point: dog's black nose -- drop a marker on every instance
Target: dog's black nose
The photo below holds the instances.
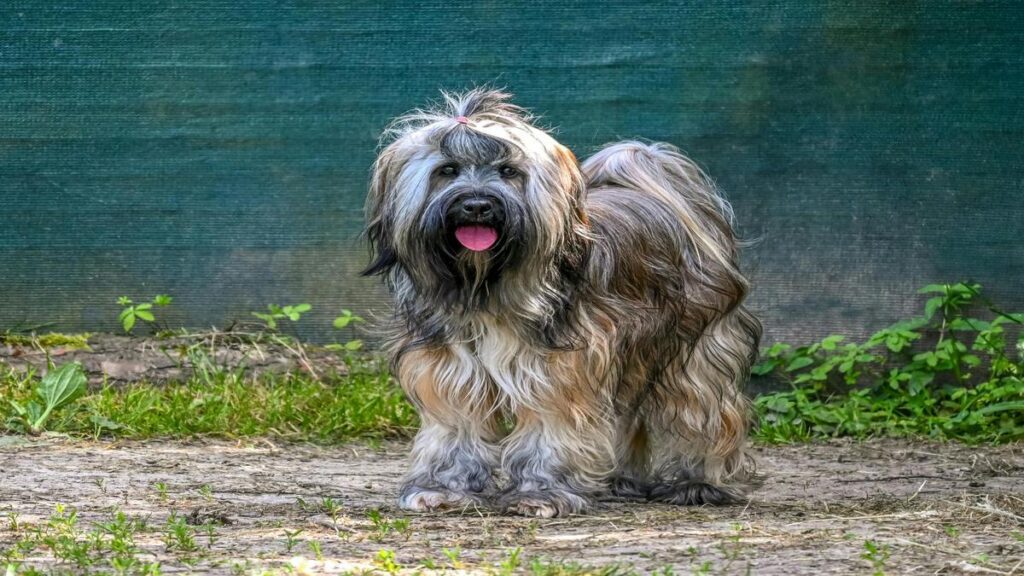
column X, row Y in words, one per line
column 477, row 207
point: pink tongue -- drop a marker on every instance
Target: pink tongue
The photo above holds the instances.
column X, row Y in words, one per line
column 476, row 238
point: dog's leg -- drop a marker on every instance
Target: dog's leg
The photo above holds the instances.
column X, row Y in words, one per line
column 554, row 468
column 562, row 450
column 632, row 456
column 456, row 448
column 701, row 417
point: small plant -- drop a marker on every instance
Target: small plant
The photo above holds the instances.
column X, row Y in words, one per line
column 60, row 387
column 333, row 510
column 274, row 313
column 386, row 561
column 454, row 556
column 876, row 555
column 206, row 492
column 346, row 319
column 161, row 491
column 12, row 522
column 210, row 529
column 382, row 525
column 132, row 312
column 511, row 562
column 291, row 539
column 179, row 535
column 331, row 507
column 314, row 546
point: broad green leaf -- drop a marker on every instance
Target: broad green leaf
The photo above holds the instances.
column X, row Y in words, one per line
column 799, row 362
column 932, row 305
column 830, row 342
column 62, row 385
column 353, row 345
column 128, row 322
column 145, row 315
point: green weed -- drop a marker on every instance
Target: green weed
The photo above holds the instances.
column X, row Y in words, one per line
column 314, row 547
column 108, row 547
column 386, row 561
column 343, row 321
column 877, row 555
column 274, row 313
column 60, row 387
column 179, row 536
column 291, row 539
column 382, row 525
column 948, row 374
column 131, row 312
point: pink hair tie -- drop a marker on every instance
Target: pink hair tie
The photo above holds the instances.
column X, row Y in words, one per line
column 462, row 120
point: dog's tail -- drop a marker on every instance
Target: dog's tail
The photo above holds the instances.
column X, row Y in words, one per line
column 662, row 171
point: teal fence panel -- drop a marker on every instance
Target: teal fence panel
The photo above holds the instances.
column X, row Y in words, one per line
column 219, row 150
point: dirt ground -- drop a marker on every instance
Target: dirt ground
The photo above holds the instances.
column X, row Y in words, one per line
column 114, row 358
column 930, row 509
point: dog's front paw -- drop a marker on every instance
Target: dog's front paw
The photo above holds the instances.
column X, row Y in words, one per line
column 419, row 499
column 544, row 503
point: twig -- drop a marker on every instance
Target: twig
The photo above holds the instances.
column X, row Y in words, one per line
column 918, row 491
column 906, row 477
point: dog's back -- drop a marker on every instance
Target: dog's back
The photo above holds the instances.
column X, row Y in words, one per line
column 664, row 262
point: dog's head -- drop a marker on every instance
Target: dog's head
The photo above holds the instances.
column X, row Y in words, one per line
column 469, row 194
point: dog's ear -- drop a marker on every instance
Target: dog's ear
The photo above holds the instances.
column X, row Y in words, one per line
column 572, row 179
column 378, row 224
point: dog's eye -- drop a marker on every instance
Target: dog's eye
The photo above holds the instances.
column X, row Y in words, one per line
column 448, row 170
column 508, row 172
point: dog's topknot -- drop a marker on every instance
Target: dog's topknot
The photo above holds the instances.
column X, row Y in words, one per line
column 482, row 102
column 476, row 104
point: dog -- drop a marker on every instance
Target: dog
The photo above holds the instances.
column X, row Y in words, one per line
column 576, row 331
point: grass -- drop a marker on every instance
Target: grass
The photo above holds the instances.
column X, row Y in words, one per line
column 109, row 546
column 364, row 404
column 951, row 374
column 118, row 543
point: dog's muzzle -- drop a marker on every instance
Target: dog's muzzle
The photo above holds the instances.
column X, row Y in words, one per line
column 476, row 221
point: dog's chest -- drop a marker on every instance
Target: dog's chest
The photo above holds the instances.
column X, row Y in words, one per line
column 515, row 367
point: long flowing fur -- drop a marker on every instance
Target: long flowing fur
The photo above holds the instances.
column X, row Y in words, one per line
column 607, row 324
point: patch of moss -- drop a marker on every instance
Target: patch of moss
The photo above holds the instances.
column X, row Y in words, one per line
column 48, row 340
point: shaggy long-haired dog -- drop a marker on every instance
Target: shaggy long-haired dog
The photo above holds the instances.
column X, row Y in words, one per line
column 579, row 328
